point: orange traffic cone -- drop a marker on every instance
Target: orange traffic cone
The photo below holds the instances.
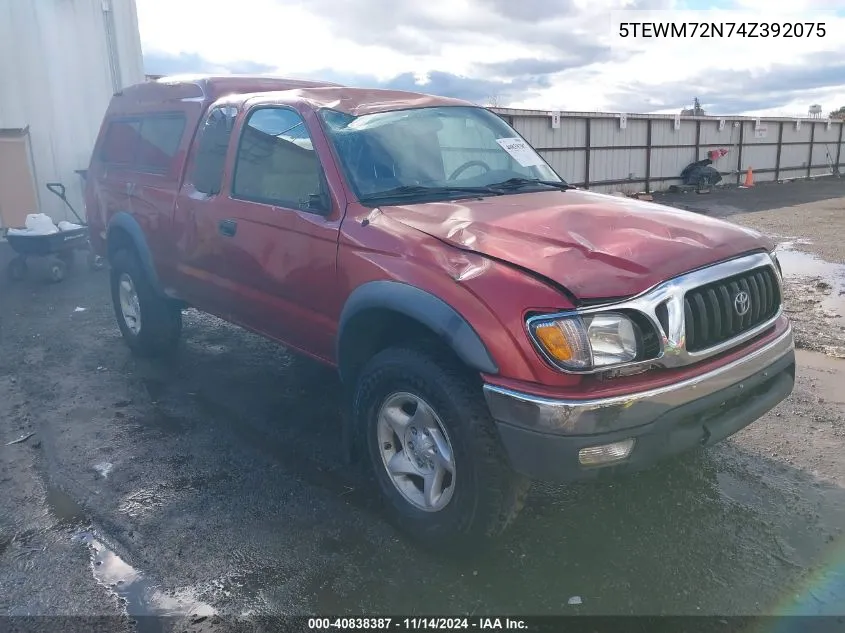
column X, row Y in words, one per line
column 749, row 178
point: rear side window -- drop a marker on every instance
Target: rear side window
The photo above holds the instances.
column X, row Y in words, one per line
column 159, row 142
column 211, row 150
column 144, row 143
column 121, row 142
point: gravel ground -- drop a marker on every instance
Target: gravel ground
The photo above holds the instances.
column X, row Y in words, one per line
column 214, row 485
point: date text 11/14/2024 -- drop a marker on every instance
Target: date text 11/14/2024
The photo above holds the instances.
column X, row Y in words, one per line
column 417, row 624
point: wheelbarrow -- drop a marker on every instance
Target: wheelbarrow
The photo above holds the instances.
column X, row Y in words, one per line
column 56, row 249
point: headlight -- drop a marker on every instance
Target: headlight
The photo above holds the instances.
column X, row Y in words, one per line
column 587, row 342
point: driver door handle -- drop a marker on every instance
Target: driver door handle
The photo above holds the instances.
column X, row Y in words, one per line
column 227, row 228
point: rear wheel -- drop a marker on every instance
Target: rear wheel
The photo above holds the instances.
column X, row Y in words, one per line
column 434, row 449
column 150, row 324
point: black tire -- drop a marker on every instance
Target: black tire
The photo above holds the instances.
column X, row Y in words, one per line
column 488, row 494
column 56, row 270
column 17, row 269
column 160, row 322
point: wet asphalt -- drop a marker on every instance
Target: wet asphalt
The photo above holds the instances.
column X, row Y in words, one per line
column 215, row 484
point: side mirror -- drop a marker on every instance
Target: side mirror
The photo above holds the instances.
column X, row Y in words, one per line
column 317, row 202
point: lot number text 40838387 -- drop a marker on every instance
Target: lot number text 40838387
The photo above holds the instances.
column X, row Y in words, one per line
column 417, row 624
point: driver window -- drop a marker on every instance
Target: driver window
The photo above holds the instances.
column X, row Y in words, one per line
column 276, row 162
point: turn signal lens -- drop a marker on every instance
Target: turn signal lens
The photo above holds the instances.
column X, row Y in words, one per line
column 554, row 341
column 588, row 342
column 565, row 342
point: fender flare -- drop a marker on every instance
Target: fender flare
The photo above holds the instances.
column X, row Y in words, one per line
column 127, row 223
column 425, row 308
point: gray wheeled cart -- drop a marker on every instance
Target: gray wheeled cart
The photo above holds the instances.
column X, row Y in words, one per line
column 55, row 250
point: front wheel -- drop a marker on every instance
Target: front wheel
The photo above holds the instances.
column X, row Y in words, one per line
column 434, row 449
column 150, row 324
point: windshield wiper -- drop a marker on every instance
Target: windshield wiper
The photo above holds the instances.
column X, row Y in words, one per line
column 517, row 183
column 421, row 190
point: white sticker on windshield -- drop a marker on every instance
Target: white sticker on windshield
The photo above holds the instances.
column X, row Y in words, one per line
column 521, row 151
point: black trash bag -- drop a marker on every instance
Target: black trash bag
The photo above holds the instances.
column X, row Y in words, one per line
column 701, row 173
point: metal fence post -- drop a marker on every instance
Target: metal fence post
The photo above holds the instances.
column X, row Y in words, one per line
column 648, row 156
column 780, row 148
column 587, row 143
column 839, row 146
column 812, row 141
column 739, row 152
column 697, row 139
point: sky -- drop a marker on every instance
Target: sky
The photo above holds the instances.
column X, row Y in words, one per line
column 538, row 54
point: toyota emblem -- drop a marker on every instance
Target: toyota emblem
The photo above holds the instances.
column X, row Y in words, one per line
column 742, row 303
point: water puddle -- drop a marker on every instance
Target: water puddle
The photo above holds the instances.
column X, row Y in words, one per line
column 826, row 373
column 145, row 603
column 830, row 278
column 140, row 596
column 62, row 506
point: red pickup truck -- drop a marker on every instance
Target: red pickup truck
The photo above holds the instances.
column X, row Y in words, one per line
column 491, row 324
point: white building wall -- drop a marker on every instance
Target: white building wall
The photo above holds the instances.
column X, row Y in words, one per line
column 56, row 79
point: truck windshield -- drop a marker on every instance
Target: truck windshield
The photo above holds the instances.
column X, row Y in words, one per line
column 440, row 152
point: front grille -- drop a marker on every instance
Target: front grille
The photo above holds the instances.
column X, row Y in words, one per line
column 712, row 312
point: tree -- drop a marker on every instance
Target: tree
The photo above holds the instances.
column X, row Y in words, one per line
column 839, row 114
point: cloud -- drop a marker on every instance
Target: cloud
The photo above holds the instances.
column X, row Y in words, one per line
column 544, row 54
column 468, row 88
column 532, row 11
column 430, row 28
column 165, row 64
column 538, row 67
column 446, row 84
column 732, row 91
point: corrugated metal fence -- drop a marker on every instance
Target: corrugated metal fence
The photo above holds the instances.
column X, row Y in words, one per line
column 638, row 152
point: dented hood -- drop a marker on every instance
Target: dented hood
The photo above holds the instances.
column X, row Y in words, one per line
column 597, row 246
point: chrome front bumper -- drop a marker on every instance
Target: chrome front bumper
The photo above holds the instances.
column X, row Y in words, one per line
column 583, row 417
column 543, row 436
